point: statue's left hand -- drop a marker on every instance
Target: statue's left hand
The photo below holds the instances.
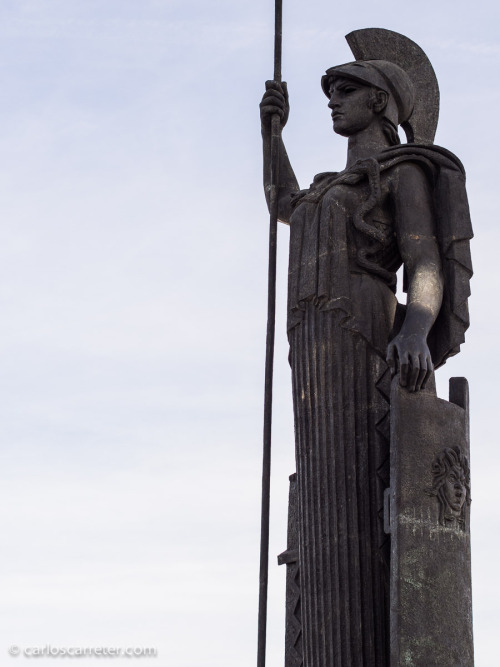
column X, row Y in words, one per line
column 409, row 353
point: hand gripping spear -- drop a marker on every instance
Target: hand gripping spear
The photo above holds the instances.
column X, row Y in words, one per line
column 268, row 390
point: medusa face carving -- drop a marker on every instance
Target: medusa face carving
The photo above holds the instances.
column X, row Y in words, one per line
column 451, row 485
column 454, row 488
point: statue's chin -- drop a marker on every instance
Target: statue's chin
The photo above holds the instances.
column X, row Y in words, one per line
column 341, row 132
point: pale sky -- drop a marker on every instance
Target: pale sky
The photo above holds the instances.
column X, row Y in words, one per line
column 133, row 267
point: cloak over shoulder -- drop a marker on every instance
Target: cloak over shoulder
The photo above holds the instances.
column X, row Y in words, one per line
column 453, row 230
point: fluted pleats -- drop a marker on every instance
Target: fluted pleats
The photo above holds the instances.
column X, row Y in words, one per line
column 342, row 450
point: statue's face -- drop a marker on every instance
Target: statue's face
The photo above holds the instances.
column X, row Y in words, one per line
column 454, row 489
column 352, row 106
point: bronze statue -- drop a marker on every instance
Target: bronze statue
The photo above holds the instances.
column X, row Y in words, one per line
column 392, row 205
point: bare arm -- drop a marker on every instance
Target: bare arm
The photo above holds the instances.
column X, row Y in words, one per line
column 420, row 253
column 275, row 100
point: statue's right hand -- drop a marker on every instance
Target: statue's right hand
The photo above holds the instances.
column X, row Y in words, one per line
column 274, row 101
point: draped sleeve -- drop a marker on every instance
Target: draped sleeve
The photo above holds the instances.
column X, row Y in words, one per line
column 454, row 232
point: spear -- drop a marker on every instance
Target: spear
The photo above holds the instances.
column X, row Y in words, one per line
column 271, row 316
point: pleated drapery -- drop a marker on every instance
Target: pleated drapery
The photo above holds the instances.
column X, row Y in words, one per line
column 340, row 388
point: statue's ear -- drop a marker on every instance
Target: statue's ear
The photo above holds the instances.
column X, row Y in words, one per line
column 381, row 100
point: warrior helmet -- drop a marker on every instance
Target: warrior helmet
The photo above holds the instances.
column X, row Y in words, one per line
column 395, row 64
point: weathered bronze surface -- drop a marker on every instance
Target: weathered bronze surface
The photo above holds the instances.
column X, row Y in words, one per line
column 392, row 205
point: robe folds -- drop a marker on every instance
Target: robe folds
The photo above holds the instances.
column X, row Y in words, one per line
column 342, row 313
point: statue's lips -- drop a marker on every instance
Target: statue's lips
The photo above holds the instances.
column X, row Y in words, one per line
column 457, row 504
column 337, row 115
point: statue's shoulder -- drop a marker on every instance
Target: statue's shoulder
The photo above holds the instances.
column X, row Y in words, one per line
column 428, row 156
column 405, row 174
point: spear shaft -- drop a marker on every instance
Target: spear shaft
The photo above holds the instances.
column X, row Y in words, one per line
column 271, row 317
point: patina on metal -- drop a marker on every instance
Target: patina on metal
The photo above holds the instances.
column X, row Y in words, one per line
column 350, row 555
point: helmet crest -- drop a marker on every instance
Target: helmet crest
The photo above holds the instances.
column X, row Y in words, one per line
column 394, row 63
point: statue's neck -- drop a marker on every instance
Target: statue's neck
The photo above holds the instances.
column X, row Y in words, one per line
column 367, row 143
